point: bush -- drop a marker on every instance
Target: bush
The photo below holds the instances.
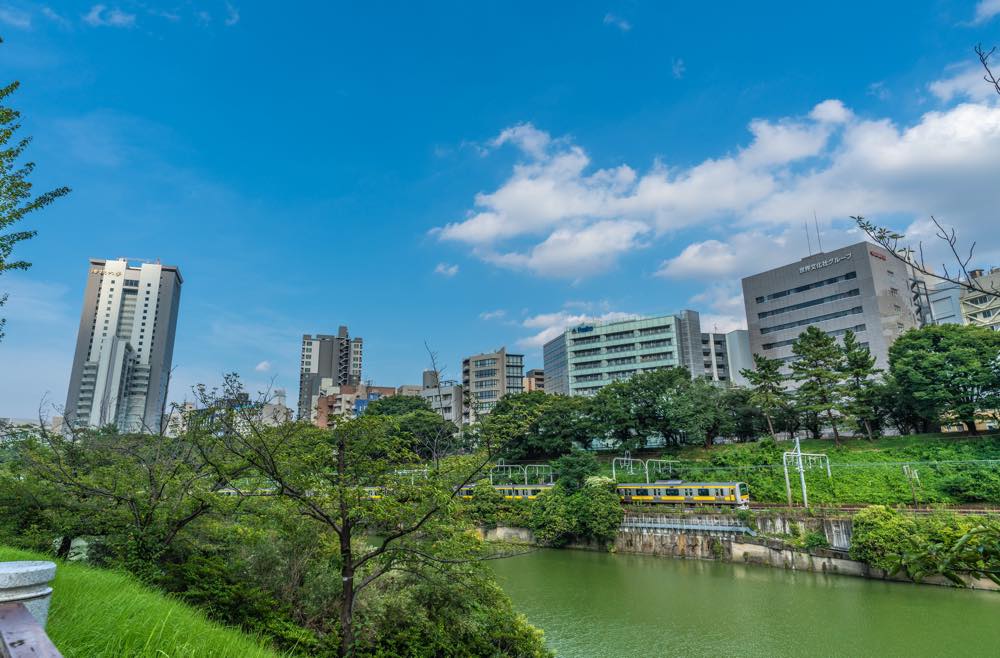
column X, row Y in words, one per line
column 878, row 534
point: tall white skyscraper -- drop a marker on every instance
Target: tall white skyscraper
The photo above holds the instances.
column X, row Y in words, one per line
column 125, row 346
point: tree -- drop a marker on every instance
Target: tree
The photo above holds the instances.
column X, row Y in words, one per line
column 574, row 468
column 817, row 370
column 16, row 198
column 397, row 405
column 767, row 389
column 701, row 412
column 860, row 399
column 632, row 411
column 949, row 372
column 350, row 480
column 434, row 438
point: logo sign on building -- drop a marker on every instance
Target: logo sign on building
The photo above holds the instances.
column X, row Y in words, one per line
column 876, row 254
column 824, row 263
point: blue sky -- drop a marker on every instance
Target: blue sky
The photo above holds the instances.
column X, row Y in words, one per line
column 471, row 174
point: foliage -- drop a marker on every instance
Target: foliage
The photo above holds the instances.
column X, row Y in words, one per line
column 592, row 513
column 106, row 614
column 878, row 531
column 817, row 370
column 701, row 413
column 574, row 468
column 537, row 425
column 859, row 389
column 631, row 412
column 948, row 371
column 767, row 389
column 975, row 554
column 397, row 405
column 16, row 197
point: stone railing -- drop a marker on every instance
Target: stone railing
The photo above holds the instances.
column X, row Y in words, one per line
column 24, row 609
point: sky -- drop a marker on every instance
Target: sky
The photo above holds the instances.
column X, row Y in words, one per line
column 459, row 176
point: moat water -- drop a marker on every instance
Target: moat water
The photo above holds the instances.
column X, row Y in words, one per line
column 605, row 605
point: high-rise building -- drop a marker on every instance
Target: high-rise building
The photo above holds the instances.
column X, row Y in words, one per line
column 335, row 358
column 488, row 377
column 534, row 380
column 125, row 346
column 445, row 398
column 980, row 309
column 584, row 359
column 862, row 288
column 725, row 355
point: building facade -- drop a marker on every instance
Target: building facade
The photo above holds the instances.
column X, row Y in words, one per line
column 979, row 309
column 946, row 303
column 590, row 356
column 725, row 355
column 324, row 357
column 534, row 380
column 346, row 401
column 488, row 377
column 861, row 288
column 124, row 346
column 446, row 399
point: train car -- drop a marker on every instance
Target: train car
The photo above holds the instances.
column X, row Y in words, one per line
column 677, row 492
column 511, row 491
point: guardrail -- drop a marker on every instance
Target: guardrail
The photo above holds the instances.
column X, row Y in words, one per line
column 662, row 523
column 24, row 609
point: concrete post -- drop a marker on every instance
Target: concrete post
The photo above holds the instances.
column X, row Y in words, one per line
column 28, row 583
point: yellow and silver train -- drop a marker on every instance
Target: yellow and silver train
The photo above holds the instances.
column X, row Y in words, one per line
column 512, row 491
column 677, row 492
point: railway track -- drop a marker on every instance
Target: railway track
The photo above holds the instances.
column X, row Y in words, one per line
column 919, row 509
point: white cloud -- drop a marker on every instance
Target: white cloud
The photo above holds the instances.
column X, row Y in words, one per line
column 677, row 68
column 444, row 269
column 15, row 18
column 618, row 22
column 55, row 17
column 549, row 325
column 493, row 315
column 102, row 16
column 985, row 10
column 964, row 82
column 879, row 90
column 263, row 366
column 232, row 15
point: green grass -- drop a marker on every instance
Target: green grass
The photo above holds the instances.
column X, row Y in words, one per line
column 101, row 613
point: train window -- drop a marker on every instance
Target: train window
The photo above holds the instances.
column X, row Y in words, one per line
column 702, row 492
column 689, row 492
column 642, row 492
column 672, row 492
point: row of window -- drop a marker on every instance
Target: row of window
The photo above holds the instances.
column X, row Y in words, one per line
column 808, row 286
column 836, row 332
column 618, row 335
column 857, row 310
column 854, row 292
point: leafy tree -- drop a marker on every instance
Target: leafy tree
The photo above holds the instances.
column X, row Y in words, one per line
column 948, row 372
column 701, row 413
column 16, row 199
column 767, row 389
column 397, row 405
column 632, row 411
column 818, row 371
column 860, row 394
column 574, row 468
column 433, row 437
column 746, row 419
column 975, row 554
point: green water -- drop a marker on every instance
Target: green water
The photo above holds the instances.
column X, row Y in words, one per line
column 599, row 604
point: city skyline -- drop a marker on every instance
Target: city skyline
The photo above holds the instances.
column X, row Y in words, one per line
column 424, row 174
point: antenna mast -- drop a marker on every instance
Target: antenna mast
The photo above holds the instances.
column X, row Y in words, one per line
column 819, row 240
column 808, row 239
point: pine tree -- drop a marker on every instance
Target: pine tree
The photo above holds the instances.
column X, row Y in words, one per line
column 818, row 370
column 15, row 191
column 767, row 390
column 859, row 386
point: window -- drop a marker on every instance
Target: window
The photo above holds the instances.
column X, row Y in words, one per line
column 808, row 286
column 619, row 335
column 894, row 292
column 654, row 330
column 813, row 302
column 671, row 492
column 837, row 332
column 819, row 318
column 703, row 492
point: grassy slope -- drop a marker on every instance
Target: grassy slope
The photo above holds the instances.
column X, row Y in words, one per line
column 863, row 471
column 109, row 614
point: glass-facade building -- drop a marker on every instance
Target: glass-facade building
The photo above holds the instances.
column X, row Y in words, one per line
column 590, row 356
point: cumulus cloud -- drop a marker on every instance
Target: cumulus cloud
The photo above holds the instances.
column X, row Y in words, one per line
column 618, row 22
column 263, row 366
column 444, row 269
column 985, row 10
column 547, row 326
column 102, row 16
column 964, row 82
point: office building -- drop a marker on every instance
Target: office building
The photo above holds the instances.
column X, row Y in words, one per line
column 334, row 358
column 861, row 288
column 946, row 303
column 124, row 346
column 488, row 377
column 585, row 358
column 446, row 399
column 980, row 309
column 534, row 380
column 725, row 355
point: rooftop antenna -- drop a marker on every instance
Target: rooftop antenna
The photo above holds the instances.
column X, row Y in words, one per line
column 808, row 239
column 819, row 240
